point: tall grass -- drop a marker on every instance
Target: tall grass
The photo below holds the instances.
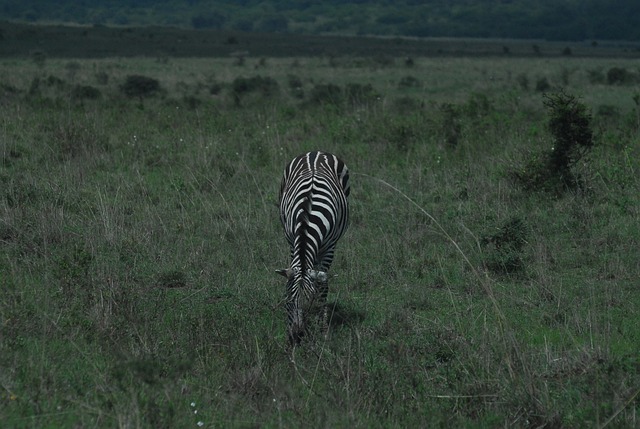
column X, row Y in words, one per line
column 139, row 237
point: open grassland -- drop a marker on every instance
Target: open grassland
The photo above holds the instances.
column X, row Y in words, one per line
column 139, row 233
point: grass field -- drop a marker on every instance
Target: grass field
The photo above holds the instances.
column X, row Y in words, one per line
column 139, row 236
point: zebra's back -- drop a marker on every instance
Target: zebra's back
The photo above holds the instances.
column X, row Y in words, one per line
column 313, row 201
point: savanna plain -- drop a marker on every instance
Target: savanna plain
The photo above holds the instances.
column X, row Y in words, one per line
column 476, row 285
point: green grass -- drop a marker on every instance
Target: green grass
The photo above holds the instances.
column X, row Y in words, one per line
column 139, row 239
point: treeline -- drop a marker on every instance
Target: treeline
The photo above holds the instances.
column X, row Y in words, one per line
column 522, row 19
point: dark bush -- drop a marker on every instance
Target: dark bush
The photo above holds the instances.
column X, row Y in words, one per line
column 478, row 105
column 326, row 94
column 140, row 86
column 596, row 76
column 406, row 105
column 543, row 85
column 409, row 82
column 295, row 86
column 266, row 86
column 86, row 92
column 215, row 89
column 191, row 102
column 75, row 140
column 619, row 76
column 608, row 111
column 54, row 81
column 504, row 249
column 569, row 123
column 102, row 78
column 357, row 93
column 34, row 87
column 451, row 123
column 172, row 279
column 6, row 88
column 523, row 81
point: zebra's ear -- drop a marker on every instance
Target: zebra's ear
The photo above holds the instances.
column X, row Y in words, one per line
column 286, row 273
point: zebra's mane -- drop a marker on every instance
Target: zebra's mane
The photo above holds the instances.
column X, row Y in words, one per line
column 303, row 254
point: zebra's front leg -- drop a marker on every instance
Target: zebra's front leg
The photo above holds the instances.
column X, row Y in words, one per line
column 322, row 289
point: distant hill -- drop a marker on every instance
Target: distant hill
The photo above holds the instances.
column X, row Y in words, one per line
column 40, row 41
column 520, row 19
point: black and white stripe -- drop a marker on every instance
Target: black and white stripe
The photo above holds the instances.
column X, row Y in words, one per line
column 314, row 212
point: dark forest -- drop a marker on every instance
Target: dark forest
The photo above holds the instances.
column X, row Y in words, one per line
column 568, row 20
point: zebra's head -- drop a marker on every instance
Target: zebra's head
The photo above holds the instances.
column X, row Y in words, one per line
column 302, row 288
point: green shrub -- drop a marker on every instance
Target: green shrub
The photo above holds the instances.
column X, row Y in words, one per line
column 357, row 93
column 295, row 86
column 405, row 105
column 326, row 94
column 85, row 92
column 478, row 105
column 76, row 139
column 608, row 111
column 172, row 279
column 140, row 86
column 504, row 249
column 54, row 81
column 266, row 86
column 543, row 85
column 34, row 87
column 596, row 76
column 409, row 82
column 102, row 78
column 523, row 81
column 451, row 123
column 619, row 76
column 569, row 123
column 215, row 88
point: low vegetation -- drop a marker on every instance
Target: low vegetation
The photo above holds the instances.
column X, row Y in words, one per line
column 139, row 234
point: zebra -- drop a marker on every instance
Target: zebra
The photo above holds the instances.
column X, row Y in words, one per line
column 314, row 212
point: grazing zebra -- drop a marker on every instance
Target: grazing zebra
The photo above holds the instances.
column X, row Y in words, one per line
column 314, row 213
